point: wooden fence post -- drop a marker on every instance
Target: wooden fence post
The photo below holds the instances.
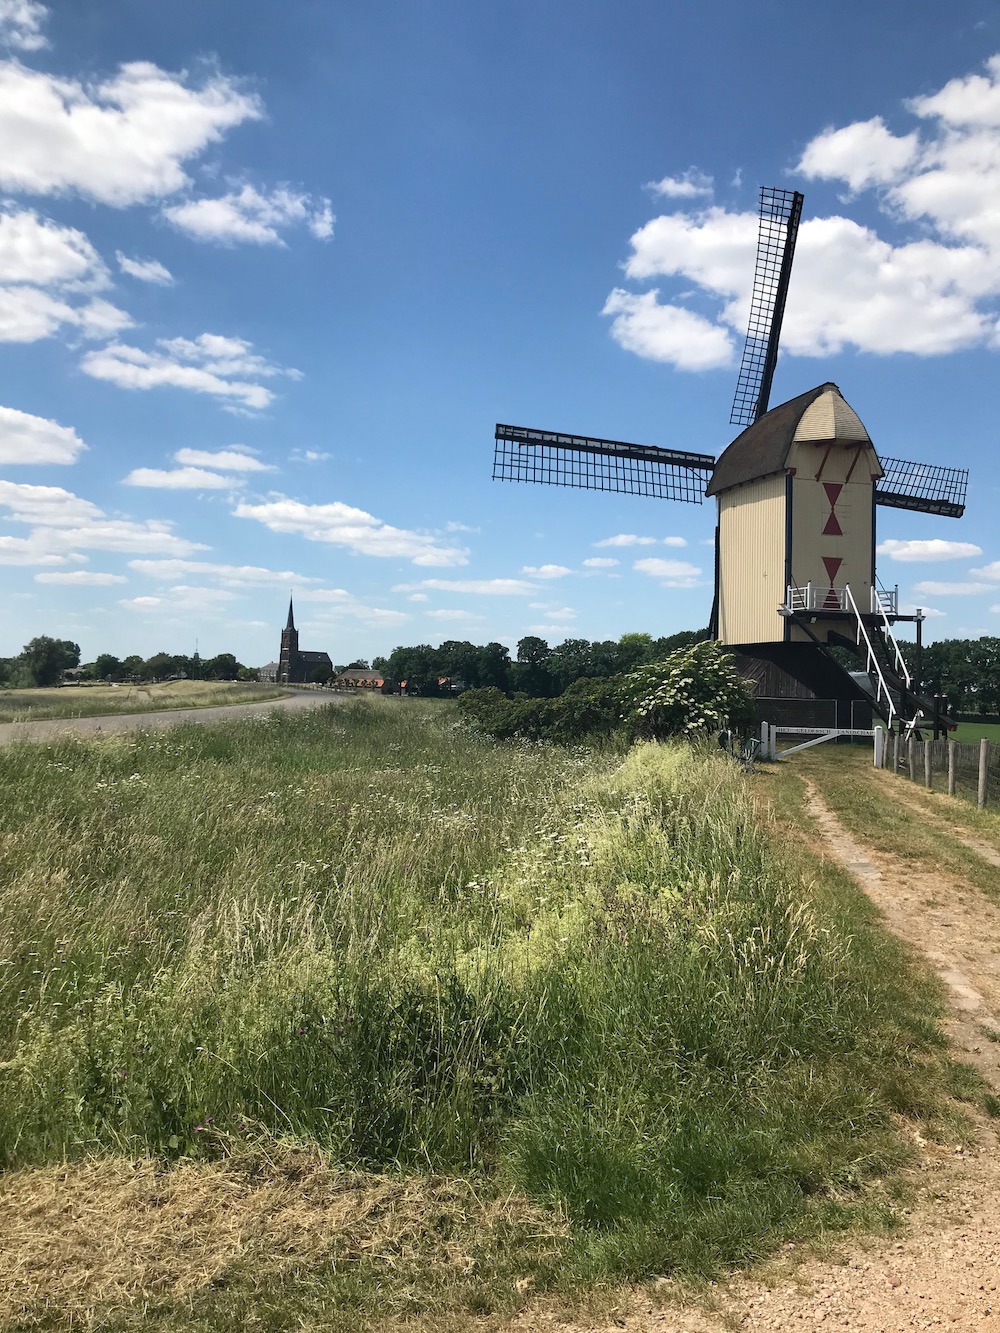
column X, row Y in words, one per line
column 895, row 754
column 951, row 768
column 928, row 766
column 984, row 768
column 912, row 759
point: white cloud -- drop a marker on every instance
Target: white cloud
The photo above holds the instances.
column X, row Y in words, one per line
column 673, row 573
column 234, row 576
column 669, row 333
column 21, row 24
column 27, row 551
column 935, row 549
column 82, row 578
column 182, row 600
column 418, row 597
column 37, row 250
column 482, row 587
column 674, row 541
column 600, row 562
column 235, row 459
column 862, row 154
column 952, row 589
column 181, row 479
column 63, row 524
column 690, row 184
column 554, row 612
column 546, row 571
column 455, row 615
column 248, row 215
column 342, row 525
column 459, row 527
column 28, row 314
column 990, row 571
column 146, row 270
column 28, row 439
column 546, row 629
column 225, row 368
column 308, row 456
column 626, row 539
column 120, row 141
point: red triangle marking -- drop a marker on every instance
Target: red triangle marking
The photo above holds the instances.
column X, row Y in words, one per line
column 832, row 563
column 833, row 489
column 833, row 528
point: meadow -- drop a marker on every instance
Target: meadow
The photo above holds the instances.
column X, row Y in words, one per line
column 585, row 1015
column 37, row 705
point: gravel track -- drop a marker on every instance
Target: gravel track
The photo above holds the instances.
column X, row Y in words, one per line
column 116, row 723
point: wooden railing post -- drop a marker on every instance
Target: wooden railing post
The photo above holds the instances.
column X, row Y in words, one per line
column 895, row 754
column 984, row 768
column 951, row 768
column 911, row 758
column 928, row 766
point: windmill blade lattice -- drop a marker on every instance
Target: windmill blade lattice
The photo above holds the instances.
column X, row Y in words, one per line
column 780, row 213
column 590, row 463
column 924, row 487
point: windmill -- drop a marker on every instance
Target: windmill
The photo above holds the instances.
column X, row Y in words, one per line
column 797, row 492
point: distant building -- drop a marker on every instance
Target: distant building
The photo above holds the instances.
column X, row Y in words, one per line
column 269, row 672
column 356, row 679
column 297, row 666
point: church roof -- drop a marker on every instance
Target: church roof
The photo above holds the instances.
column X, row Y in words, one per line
column 290, row 622
column 762, row 449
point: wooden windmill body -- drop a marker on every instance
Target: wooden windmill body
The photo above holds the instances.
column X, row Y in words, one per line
column 797, row 494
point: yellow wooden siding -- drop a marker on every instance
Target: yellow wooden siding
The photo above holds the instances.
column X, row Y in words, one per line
column 752, row 561
column 810, row 514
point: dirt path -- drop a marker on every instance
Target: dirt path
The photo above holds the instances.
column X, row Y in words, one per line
column 114, row 724
column 944, row 1271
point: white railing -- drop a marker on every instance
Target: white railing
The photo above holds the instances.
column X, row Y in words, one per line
column 815, row 597
column 885, row 601
column 873, row 666
column 880, row 609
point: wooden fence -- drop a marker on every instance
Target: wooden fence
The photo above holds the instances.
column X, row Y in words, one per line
column 968, row 770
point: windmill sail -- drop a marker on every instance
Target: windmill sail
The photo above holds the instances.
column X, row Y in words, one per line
column 780, row 213
column 594, row 464
column 925, row 487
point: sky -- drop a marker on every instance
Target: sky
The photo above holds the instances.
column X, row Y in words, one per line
column 269, row 274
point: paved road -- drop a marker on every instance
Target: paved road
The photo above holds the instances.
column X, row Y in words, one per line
column 173, row 717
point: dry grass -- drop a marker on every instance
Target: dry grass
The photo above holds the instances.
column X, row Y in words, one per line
column 102, row 700
column 86, row 1242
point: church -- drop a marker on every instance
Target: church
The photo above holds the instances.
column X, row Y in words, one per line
column 295, row 665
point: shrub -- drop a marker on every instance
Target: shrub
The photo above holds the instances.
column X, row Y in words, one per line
column 694, row 691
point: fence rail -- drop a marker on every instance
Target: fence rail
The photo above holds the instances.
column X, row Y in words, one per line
column 970, row 771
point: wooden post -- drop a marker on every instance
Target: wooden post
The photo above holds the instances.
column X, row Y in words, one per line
column 911, row 758
column 951, row 768
column 984, row 768
column 879, row 747
column 928, row 766
column 895, row 754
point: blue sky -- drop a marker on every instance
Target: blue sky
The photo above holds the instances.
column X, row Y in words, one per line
column 270, row 273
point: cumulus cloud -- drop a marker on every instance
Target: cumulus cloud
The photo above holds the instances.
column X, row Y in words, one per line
column 119, row 141
column 37, row 250
column 691, row 184
column 935, row 549
column 181, row 479
column 28, row 439
column 63, row 524
column 342, row 525
column 234, row 459
column 225, row 368
column 990, row 571
column 626, row 539
column 28, row 314
column 21, row 24
column 483, row 587
column 182, row 600
column 931, row 292
column 236, row 576
column 81, row 578
column 546, row 571
column 455, row 615
column 250, row 215
column 672, row 573
column 146, row 270
column 600, row 562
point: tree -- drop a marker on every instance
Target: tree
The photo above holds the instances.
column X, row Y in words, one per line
column 106, row 666
column 494, row 667
column 132, row 666
column 223, row 666
column 531, row 674
column 696, row 691
column 159, row 667
column 46, row 659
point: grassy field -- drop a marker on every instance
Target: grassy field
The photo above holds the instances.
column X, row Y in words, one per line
column 100, row 700
column 394, row 1026
column 975, row 731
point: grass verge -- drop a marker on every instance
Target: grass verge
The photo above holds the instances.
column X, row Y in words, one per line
column 597, row 999
column 105, row 700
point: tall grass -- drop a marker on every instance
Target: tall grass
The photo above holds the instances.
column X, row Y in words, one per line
column 585, row 977
column 38, row 705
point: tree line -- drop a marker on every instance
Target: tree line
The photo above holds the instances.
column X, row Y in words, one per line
column 43, row 660
column 536, row 670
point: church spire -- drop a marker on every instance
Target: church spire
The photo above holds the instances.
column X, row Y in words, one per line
column 290, row 623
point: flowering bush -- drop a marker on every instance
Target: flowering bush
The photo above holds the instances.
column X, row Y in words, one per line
column 695, row 691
